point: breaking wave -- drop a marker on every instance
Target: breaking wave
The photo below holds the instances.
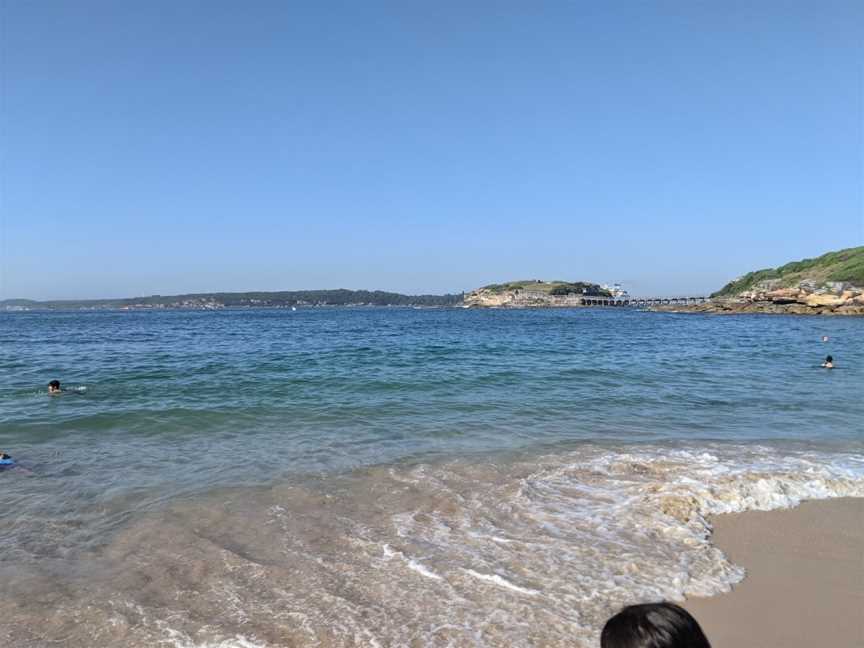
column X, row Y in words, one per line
column 510, row 550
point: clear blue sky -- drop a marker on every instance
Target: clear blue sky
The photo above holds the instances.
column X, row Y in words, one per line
column 180, row 146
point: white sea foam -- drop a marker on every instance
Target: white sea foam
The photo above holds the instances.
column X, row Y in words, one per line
column 173, row 638
column 181, row 641
column 501, row 582
column 515, row 552
column 597, row 528
column 411, row 563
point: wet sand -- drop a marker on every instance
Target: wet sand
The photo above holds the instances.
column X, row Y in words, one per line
column 805, row 578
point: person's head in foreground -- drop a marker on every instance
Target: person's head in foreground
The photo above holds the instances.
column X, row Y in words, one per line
column 54, row 387
column 829, row 362
column 653, row 625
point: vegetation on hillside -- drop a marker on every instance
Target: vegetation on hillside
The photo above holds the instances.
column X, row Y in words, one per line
column 579, row 288
column 558, row 288
column 842, row 265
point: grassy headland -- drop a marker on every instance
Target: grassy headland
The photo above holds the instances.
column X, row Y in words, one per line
column 842, row 265
column 549, row 287
column 533, row 293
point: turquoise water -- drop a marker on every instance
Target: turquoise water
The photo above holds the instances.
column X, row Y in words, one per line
column 177, row 413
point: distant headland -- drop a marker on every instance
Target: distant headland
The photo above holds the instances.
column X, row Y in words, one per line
column 533, row 293
column 220, row 300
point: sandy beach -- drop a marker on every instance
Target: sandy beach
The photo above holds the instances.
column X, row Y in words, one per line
column 805, row 578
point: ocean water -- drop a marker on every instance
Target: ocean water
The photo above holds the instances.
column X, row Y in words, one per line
column 398, row 477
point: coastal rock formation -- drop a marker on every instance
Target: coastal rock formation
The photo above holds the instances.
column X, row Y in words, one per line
column 835, row 298
column 817, row 300
column 532, row 294
column 831, row 284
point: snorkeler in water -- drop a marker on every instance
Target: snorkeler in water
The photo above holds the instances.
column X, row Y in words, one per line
column 54, row 388
column 8, row 463
column 829, row 362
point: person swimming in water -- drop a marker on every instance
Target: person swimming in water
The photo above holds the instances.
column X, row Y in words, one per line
column 829, row 362
column 54, row 388
column 6, row 461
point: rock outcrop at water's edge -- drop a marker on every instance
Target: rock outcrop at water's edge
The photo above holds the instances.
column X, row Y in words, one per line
column 832, row 284
column 851, row 302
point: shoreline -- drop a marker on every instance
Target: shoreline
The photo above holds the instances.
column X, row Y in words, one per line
column 805, row 578
column 232, row 539
column 764, row 308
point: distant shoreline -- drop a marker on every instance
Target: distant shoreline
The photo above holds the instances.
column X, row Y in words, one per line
column 705, row 309
column 257, row 299
column 145, row 309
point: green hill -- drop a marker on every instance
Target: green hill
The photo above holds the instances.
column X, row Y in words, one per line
column 842, row 265
column 550, row 287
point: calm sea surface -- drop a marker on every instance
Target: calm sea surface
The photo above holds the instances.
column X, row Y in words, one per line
column 398, row 477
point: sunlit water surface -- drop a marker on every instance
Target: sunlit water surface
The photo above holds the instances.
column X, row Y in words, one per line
column 398, row 477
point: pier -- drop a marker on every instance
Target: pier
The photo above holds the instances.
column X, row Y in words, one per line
column 588, row 300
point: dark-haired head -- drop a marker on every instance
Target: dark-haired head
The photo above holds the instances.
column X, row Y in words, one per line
column 54, row 386
column 829, row 359
column 653, row 625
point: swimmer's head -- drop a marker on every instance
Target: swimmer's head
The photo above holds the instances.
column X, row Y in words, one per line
column 653, row 625
column 829, row 359
column 53, row 386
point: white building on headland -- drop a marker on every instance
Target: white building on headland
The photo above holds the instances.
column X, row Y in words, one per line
column 616, row 291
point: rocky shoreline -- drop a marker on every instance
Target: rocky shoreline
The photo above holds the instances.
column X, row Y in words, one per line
column 841, row 299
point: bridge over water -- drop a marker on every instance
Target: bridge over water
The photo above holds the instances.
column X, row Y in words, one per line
column 588, row 300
